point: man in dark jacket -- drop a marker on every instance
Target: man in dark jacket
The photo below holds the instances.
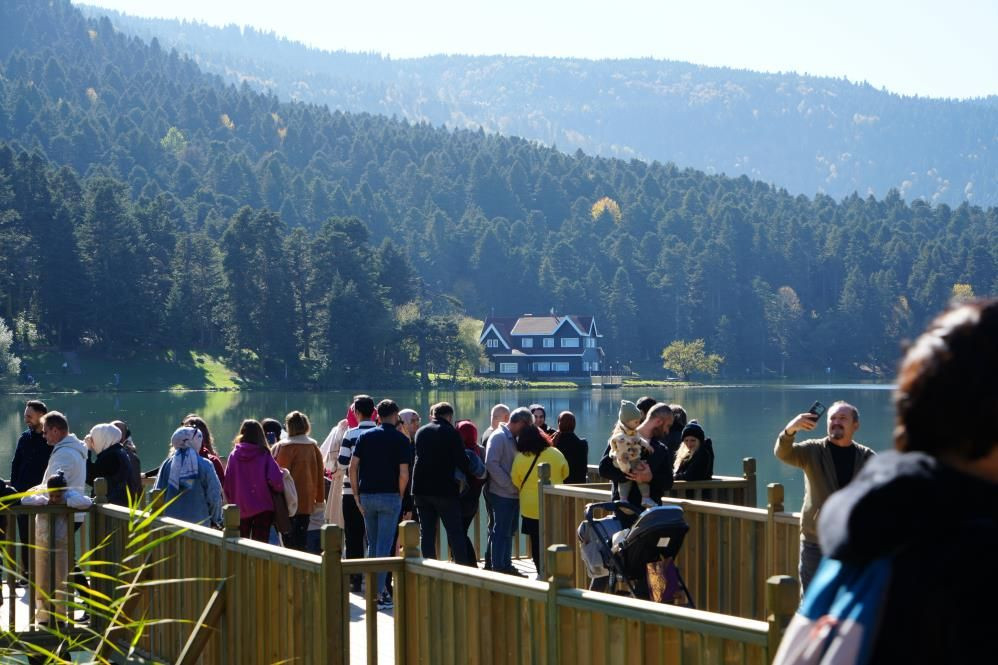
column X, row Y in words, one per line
column 31, row 457
column 439, row 452
column 930, row 510
column 657, row 471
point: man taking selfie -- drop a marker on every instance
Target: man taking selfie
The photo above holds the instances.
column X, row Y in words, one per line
column 828, row 463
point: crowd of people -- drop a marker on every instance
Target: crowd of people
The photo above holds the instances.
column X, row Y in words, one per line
column 378, row 466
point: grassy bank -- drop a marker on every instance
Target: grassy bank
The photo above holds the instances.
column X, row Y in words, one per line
column 88, row 372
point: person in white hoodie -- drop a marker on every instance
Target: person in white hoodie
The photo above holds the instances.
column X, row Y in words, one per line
column 69, row 455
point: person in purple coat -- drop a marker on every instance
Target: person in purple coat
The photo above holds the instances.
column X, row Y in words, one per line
column 250, row 476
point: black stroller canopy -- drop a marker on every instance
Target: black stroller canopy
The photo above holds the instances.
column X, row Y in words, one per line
column 661, row 528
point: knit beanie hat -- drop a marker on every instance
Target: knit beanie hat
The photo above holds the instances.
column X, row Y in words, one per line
column 694, row 429
column 629, row 411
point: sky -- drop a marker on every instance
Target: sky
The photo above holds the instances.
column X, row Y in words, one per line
column 916, row 47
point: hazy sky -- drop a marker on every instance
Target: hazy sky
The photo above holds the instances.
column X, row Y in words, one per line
column 937, row 49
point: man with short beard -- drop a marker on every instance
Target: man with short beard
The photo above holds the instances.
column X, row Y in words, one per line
column 31, row 458
column 828, row 464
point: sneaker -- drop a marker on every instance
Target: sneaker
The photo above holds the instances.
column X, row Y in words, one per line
column 385, row 602
column 647, row 502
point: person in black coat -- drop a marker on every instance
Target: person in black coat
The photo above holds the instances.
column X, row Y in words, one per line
column 112, row 462
column 27, row 469
column 695, row 458
column 575, row 450
column 439, row 452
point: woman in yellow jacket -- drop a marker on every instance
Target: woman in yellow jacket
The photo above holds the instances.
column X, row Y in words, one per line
column 533, row 448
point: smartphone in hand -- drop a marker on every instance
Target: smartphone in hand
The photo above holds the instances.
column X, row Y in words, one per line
column 817, row 409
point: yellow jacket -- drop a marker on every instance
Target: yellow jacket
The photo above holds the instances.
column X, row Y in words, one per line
column 528, row 486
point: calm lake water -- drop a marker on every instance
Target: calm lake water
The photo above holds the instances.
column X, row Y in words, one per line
column 742, row 420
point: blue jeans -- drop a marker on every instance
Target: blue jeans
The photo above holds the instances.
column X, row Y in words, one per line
column 505, row 513
column 381, row 513
column 448, row 510
column 810, row 557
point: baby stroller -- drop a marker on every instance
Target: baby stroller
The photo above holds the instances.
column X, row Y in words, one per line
column 624, row 554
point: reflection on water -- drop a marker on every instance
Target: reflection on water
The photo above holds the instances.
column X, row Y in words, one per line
column 743, row 421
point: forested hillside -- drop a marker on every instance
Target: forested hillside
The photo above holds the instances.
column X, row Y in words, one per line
column 145, row 205
column 804, row 133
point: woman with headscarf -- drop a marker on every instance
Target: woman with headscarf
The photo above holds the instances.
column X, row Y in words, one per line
column 207, row 451
column 112, row 463
column 191, row 480
column 471, row 491
column 575, row 450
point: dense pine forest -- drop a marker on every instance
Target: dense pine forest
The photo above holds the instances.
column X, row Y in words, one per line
column 805, row 133
column 146, row 205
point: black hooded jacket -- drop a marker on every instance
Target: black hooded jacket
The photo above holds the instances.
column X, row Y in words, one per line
column 942, row 527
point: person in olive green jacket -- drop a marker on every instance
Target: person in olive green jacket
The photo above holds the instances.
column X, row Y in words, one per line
column 828, row 464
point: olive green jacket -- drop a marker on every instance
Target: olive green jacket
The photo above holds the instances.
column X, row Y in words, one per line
column 820, row 480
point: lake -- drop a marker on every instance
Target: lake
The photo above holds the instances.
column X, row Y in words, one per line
column 742, row 420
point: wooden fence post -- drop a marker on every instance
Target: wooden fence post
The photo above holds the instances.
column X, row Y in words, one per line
column 561, row 567
column 774, row 504
column 748, row 473
column 98, row 531
column 782, row 598
column 409, row 540
column 543, row 479
column 333, row 622
column 230, row 520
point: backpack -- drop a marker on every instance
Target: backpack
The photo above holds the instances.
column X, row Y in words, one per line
column 839, row 618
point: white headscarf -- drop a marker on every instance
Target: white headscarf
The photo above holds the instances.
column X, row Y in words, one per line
column 103, row 436
column 186, row 442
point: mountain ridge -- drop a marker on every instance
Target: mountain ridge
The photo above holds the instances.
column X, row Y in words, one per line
column 808, row 134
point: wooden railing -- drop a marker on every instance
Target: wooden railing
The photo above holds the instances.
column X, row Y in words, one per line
column 728, row 553
column 719, row 489
column 460, row 615
column 214, row 597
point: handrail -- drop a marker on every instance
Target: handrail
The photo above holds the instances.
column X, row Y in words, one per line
column 719, row 489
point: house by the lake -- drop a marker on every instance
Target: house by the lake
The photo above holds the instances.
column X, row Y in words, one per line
column 548, row 346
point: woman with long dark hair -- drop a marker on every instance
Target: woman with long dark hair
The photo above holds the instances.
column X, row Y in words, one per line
column 575, row 450
column 533, row 447
column 251, row 477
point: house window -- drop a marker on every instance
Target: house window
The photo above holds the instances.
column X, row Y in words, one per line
column 507, row 368
column 585, row 365
column 542, row 367
column 492, row 368
column 559, row 367
column 590, row 342
column 595, row 366
column 492, row 343
column 549, row 342
column 570, row 342
column 527, row 343
column 484, row 368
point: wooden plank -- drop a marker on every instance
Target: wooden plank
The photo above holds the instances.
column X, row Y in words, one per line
column 206, row 627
